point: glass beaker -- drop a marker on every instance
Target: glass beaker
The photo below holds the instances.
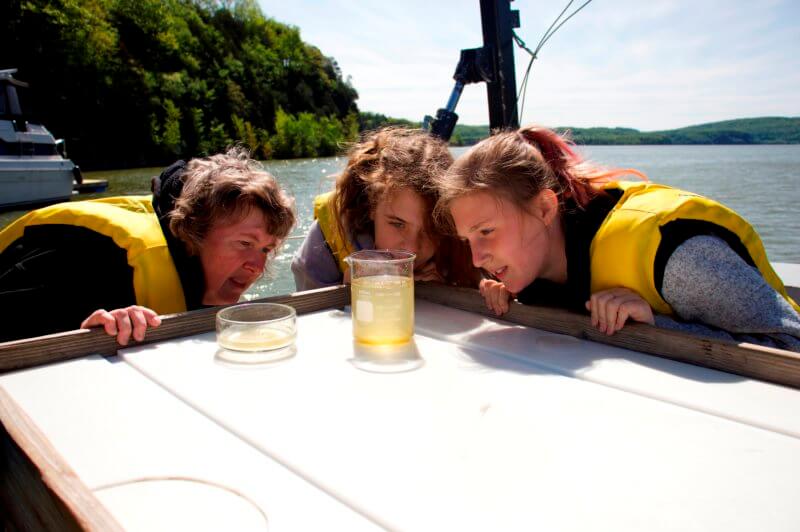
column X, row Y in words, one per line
column 382, row 296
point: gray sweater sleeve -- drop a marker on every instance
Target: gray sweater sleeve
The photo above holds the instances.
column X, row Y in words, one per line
column 715, row 293
column 313, row 265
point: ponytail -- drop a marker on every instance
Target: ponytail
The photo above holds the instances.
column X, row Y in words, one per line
column 577, row 179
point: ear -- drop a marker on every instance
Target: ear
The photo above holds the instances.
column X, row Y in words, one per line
column 545, row 206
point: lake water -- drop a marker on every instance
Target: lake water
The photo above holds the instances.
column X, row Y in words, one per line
column 762, row 183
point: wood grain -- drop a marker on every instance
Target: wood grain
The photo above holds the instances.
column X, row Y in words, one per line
column 39, row 490
column 748, row 360
column 29, row 352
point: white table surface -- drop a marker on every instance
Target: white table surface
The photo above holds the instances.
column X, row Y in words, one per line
column 505, row 427
column 114, row 427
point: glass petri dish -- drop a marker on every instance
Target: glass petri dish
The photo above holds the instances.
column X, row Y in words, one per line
column 256, row 332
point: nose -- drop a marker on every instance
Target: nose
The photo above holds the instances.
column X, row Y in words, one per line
column 256, row 262
column 478, row 254
column 422, row 246
column 414, row 244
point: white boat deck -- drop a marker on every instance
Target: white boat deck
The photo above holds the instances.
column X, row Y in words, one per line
column 503, row 427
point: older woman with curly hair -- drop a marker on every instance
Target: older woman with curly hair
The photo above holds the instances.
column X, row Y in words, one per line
column 202, row 239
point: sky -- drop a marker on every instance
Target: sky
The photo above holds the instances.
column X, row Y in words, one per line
column 645, row 64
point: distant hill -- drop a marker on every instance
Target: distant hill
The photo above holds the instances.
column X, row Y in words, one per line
column 766, row 130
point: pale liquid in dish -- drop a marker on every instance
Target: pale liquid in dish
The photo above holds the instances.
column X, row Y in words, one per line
column 254, row 339
column 383, row 309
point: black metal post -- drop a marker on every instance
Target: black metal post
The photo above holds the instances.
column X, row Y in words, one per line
column 498, row 20
column 493, row 64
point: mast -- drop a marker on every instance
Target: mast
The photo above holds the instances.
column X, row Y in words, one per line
column 493, row 64
column 498, row 21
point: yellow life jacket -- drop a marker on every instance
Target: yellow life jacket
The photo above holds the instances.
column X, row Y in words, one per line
column 132, row 224
column 325, row 214
column 623, row 251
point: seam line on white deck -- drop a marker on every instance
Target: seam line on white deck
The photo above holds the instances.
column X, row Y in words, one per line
column 292, row 469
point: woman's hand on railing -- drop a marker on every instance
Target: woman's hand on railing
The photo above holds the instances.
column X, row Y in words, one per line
column 123, row 322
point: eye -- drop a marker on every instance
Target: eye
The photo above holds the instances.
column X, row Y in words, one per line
column 398, row 225
column 244, row 244
column 486, row 231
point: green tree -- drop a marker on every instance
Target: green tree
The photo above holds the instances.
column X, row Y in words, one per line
column 140, row 82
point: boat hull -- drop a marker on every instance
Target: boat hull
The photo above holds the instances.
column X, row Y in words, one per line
column 34, row 180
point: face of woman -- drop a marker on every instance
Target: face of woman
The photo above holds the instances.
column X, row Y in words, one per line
column 399, row 220
column 511, row 244
column 234, row 255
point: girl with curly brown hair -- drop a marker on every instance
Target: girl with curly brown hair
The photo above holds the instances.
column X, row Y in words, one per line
column 383, row 200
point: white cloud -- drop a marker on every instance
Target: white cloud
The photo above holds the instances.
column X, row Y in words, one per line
column 646, row 64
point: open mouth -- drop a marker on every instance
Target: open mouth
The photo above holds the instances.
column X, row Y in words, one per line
column 238, row 284
column 500, row 272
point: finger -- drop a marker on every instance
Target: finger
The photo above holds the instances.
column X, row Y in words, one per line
column 138, row 322
column 498, row 306
column 622, row 317
column 91, row 320
column 489, row 299
column 123, row 326
column 493, row 300
column 95, row 319
column 109, row 324
column 497, row 300
column 639, row 310
column 599, row 307
column 612, row 313
column 608, row 303
column 634, row 308
column 153, row 319
column 101, row 318
column 504, row 300
column 485, row 286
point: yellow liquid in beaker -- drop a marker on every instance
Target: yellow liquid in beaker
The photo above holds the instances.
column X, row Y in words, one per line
column 383, row 309
column 254, row 339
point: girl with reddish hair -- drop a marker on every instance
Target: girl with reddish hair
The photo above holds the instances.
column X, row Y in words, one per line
column 548, row 227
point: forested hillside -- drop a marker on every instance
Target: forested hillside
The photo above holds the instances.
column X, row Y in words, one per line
column 766, row 130
column 142, row 82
